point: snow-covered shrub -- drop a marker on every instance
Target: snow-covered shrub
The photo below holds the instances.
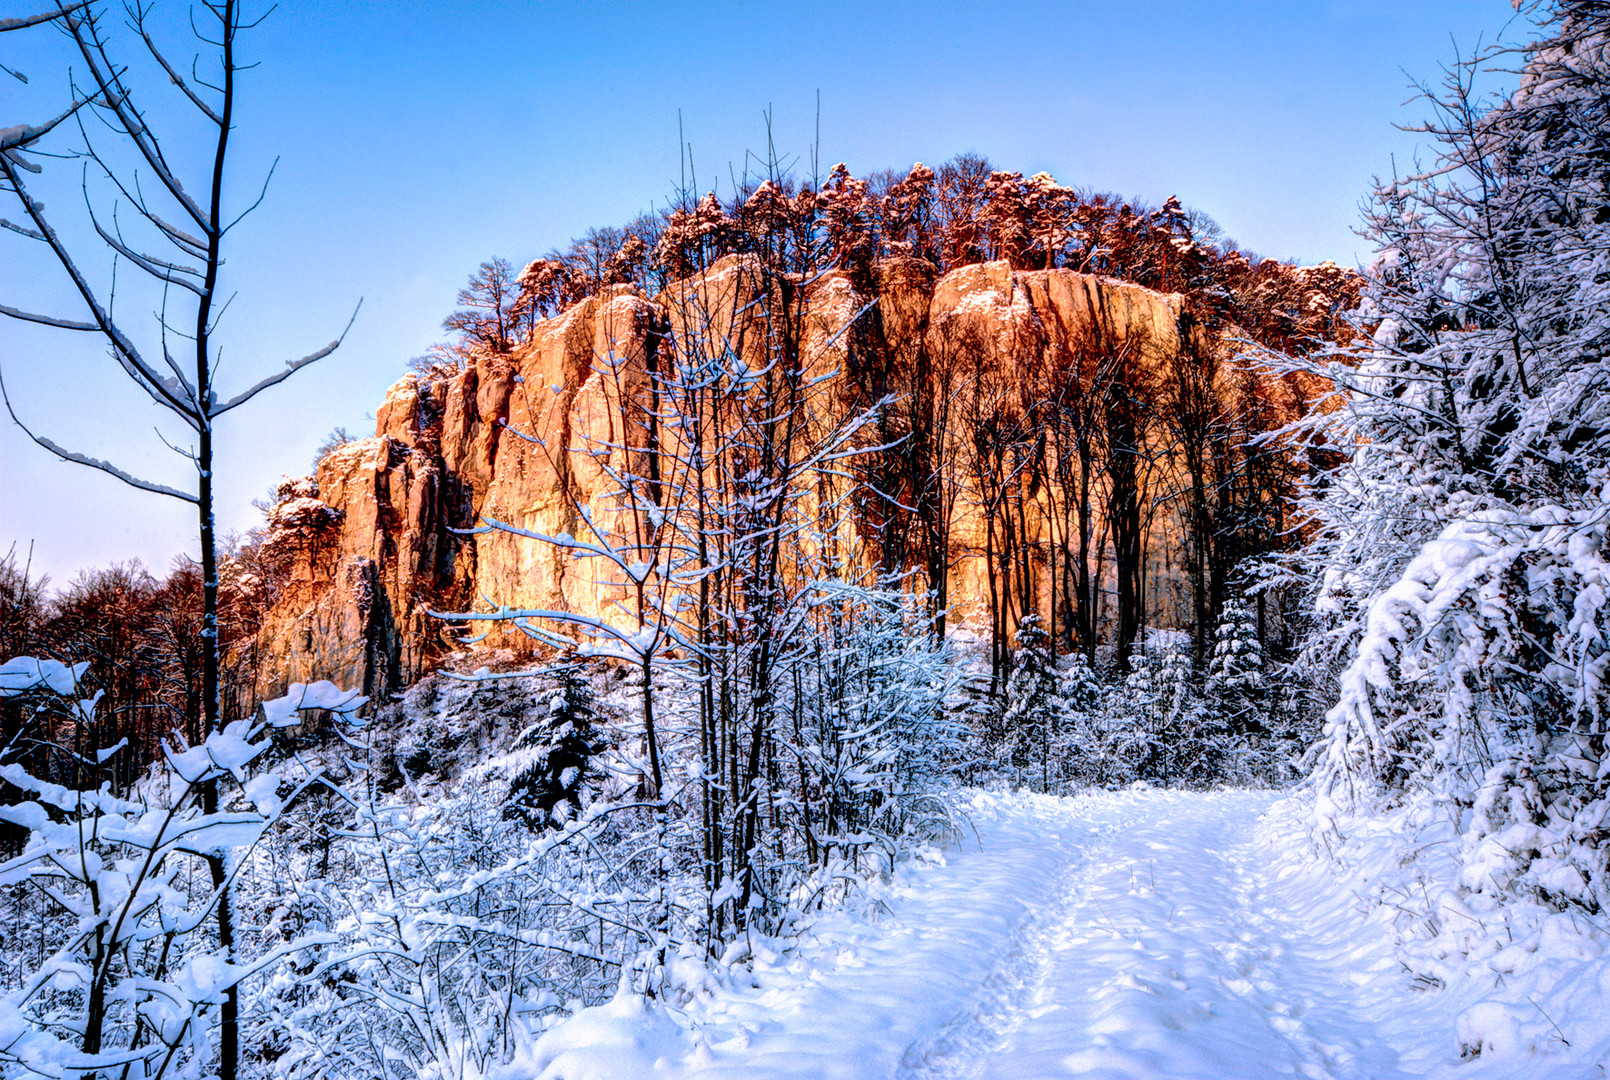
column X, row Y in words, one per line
column 876, row 736
column 139, row 968
column 452, row 722
column 1460, row 548
column 453, row 931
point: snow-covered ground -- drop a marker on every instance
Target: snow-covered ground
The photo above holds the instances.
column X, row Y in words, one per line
column 1143, row 934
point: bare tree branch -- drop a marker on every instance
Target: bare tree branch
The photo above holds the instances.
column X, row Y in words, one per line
column 94, row 463
column 177, row 397
column 46, row 320
column 145, row 35
column 261, row 195
column 110, row 81
column 291, row 368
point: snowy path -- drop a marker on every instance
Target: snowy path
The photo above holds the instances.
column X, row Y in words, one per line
column 1157, row 934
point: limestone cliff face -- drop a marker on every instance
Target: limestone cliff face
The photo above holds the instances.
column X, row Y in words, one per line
column 367, row 551
column 377, row 540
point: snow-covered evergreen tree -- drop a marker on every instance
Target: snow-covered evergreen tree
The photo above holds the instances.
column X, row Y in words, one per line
column 1235, row 673
column 1190, row 743
column 1080, row 687
column 1460, row 550
column 1131, row 747
column 1078, row 748
column 1030, row 719
column 548, row 791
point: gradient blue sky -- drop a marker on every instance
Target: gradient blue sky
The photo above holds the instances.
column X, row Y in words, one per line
column 416, row 140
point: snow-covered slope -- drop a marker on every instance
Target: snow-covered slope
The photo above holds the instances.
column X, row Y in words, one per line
column 1142, row 934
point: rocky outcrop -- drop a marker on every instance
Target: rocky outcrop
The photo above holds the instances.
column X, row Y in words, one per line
column 366, row 550
column 376, row 541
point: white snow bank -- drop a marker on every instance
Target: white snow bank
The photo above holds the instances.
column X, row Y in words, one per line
column 1525, row 987
column 626, row 1037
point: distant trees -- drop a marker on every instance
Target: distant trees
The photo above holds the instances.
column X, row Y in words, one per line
column 141, row 639
column 23, row 603
column 964, row 212
column 498, row 308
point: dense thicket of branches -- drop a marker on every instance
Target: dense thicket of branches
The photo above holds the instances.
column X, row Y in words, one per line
column 788, row 711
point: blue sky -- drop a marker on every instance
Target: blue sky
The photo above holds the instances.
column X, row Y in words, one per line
column 415, row 140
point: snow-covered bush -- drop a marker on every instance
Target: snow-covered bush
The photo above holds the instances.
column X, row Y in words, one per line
column 452, row 932
column 139, row 967
column 1156, row 726
column 877, row 736
column 1460, row 549
column 451, row 929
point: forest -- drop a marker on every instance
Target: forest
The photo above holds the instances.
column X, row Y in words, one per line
column 725, row 570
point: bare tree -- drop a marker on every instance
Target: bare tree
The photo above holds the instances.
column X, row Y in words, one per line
column 152, row 209
column 490, row 314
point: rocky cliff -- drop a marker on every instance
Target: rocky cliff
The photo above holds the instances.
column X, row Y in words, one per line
column 377, row 540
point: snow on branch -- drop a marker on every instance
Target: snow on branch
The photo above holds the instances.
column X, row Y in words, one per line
column 23, row 673
column 93, row 462
column 44, row 17
column 173, row 75
column 282, row 711
column 46, row 320
column 18, row 136
column 291, row 368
